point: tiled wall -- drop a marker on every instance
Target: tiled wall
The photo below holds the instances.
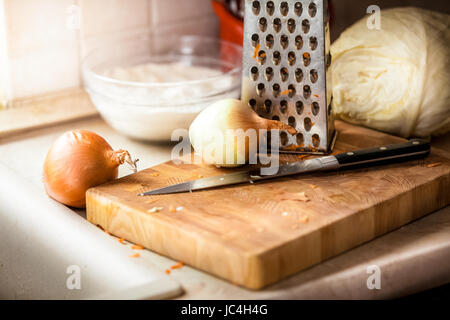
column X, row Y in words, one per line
column 46, row 39
column 42, row 52
column 44, row 43
column 4, row 73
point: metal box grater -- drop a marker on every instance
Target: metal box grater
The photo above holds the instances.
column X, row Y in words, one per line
column 286, row 75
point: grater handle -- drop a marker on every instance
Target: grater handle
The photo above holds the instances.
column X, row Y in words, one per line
column 390, row 153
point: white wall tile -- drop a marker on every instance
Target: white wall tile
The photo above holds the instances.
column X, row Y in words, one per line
column 174, row 11
column 163, row 16
column 37, row 23
column 208, row 26
column 44, row 70
column 42, row 52
column 92, row 42
column 184, row 17
column 106, row 16
column 4, row 65
column 45, row 55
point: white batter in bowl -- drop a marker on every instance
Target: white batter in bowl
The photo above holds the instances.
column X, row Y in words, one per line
column 150, row 86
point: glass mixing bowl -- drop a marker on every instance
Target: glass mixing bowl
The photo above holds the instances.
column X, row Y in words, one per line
column 153, row 110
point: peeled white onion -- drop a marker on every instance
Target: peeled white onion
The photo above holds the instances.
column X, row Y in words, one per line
column 218, row 133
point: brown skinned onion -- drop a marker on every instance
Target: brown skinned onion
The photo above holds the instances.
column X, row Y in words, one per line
column 79, row 160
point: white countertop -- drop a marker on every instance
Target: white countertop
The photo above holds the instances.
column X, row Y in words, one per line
column 413, row 258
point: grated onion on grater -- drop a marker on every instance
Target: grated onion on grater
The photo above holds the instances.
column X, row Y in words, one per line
column 286, row 75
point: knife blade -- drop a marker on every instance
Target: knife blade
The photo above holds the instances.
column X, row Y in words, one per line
column 371, row 156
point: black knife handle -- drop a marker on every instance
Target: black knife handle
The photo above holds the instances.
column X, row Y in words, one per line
column 385, row 154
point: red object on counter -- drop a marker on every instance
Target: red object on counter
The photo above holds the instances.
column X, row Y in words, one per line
column 231, row 28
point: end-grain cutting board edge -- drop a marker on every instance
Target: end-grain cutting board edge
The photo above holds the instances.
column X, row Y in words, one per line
column 255, row 235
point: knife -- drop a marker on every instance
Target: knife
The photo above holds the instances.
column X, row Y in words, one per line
column 412, row 149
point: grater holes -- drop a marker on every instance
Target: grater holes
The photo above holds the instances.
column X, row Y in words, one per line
column 276, row 90
column 256, row 6
column 270, row 8
column 306, row 92
column 312, row 9
column 328, row 59
column 260, row 110
column 269, row 41
column 283, row 138
column 307, row 124
column 291, row 58
column 254, row 73
column 313, row 43
column 291, row 25
column 283, row 106
column 268, row 74
column 261, row 57
column 298, row 8
column 284, row 41
column 292, row 91
column 284, row 74
column 316, row 140
column 255, row 39
column 300, row 139
column 276, row 118
column 284, row 8
column 268, row 106
column 252, row 103
column 277, row 24
column 315, row 108
column 298, row 42
column 268, row 136
column 330, row 108
column 291, row 121
column 298, row 75
column 313, row 75
column 276, row 58
column 262, row 24
column 260, row 89
column 306, row 59
column 306, row 26
column 299, row 107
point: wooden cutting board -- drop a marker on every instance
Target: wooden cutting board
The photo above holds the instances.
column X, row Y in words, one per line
column 256, row 234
